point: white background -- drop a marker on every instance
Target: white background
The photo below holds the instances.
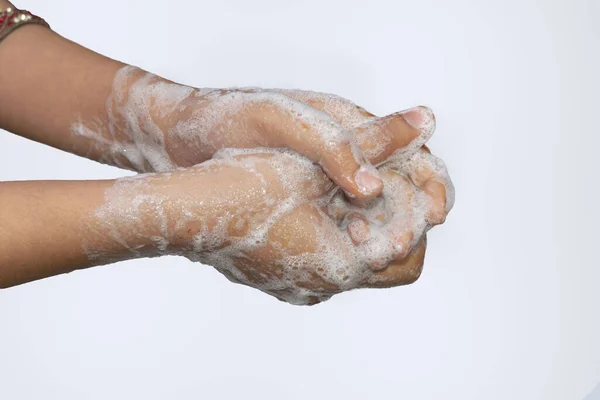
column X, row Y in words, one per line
column 508, row 304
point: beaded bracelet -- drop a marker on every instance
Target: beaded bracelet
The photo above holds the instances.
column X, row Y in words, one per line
column 11, row 19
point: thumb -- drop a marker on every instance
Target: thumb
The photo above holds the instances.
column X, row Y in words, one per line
column 398, row 135
column 317, row 136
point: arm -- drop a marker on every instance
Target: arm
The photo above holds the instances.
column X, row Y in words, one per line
column 42, row 225
column 259, row 218
column 47, row 82
column 82, row 92
column 53, row 227
column 61, row 94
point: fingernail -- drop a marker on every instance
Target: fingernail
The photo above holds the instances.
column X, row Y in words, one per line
column 377, row 264
column 358, row 231
column 421, row 118
column 368, row 180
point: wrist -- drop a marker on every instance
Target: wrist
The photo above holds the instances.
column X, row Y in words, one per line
column 142, row 110
column 50, row 227
column 191, row 212
column 146, row 215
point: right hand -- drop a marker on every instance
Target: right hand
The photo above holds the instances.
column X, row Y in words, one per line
column 172, row 125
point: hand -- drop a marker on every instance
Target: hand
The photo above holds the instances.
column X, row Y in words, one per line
column 157, row 125
column 80, row 86
column 267, row 219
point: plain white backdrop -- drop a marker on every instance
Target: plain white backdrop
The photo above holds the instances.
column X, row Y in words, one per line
column 508, row 304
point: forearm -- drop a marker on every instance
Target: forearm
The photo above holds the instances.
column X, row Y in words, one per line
column 53, row 227
column 48, row 83
column 49, row 228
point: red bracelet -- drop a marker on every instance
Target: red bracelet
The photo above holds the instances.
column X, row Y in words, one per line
column 12, row 19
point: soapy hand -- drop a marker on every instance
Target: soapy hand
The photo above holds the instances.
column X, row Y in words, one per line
column 272, row 219
column 300, row 225
column 157, row 125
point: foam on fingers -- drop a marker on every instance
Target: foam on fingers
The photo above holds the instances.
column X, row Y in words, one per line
column 266, row 218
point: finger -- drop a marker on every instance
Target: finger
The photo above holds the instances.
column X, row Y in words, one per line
column 400, row 232
column 358, row 228
column 342, row 110
column 315, row 135
column 400, row 272
column 378, row 138
column 402, row 244
column 337, row 208
column 430, row 175
column 397, row 130
column 398, row 135
column 383, row 229
column 437, row 210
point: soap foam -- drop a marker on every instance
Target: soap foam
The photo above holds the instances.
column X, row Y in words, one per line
column 335, row 265
column 136, row 137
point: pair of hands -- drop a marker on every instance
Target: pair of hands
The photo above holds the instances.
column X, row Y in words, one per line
column 272, row 219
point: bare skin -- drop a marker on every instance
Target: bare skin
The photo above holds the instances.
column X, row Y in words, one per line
column 198, row 200
column 71, row 112
column 41, row 227
column 213, row 194
column 157, row 125
column 81, row 83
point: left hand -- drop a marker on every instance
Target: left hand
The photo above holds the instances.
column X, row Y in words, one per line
column 311, row 246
